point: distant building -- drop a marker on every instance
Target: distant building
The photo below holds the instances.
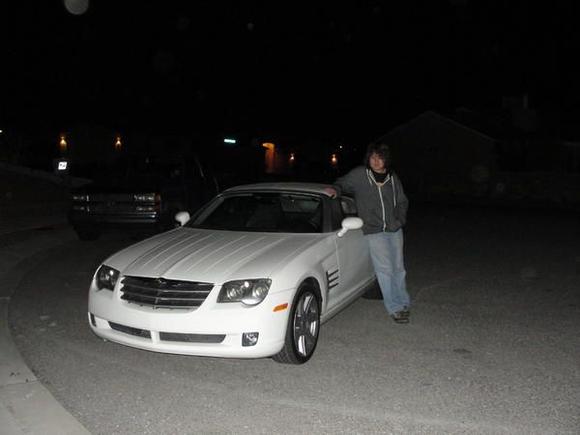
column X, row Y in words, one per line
column 436, row 154
column 492, row 155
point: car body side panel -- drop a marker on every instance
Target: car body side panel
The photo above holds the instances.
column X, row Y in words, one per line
column 354, row 262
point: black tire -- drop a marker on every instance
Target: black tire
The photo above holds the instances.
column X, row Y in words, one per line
column 302, row 329
column 87, row 233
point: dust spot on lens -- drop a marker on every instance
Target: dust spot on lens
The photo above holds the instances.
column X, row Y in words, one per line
column 76, row 7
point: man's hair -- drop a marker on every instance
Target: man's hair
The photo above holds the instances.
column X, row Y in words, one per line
column 382, row 150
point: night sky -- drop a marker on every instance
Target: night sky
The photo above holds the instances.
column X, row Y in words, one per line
column 305, row 70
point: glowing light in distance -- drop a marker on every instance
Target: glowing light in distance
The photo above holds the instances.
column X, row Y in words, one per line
column 63, row 145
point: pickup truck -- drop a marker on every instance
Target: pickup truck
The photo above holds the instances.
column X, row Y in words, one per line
column 139, row 191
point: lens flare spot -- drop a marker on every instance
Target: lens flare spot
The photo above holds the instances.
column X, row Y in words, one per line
column 76, row 7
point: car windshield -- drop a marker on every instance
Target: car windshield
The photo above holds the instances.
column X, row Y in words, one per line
column 269, row 212
column 142, row 171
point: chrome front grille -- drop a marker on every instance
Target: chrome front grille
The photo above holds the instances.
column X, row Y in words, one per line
column 164, row 293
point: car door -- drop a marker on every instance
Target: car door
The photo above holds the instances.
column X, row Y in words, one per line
column 354, row 263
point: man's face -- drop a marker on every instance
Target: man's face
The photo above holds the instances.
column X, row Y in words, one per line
column 376, row 163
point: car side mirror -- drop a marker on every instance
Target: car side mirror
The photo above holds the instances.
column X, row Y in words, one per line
column 350, row 223
column 182, row 217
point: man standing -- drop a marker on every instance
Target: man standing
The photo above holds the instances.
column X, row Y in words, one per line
column 382, row 205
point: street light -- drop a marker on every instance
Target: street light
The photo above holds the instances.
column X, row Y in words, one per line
column 118, row 143
column 63, row 144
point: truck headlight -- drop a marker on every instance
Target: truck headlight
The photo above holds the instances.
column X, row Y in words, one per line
column 247, row 291
column 146, row 197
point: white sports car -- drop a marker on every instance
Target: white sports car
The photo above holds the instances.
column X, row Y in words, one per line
column 253, row 274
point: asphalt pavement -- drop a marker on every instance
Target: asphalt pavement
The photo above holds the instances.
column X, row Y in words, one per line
column 492, row 347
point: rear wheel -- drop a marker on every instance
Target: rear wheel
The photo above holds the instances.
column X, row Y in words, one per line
column 303, row 327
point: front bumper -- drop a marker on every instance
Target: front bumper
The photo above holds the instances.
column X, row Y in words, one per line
column 112, row 220
column 216, row 328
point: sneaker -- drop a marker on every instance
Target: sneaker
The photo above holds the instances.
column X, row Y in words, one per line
column 399, row 317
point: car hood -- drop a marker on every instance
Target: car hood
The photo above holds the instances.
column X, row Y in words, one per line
column 210, row 256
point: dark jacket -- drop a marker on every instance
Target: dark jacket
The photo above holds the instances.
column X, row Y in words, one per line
column 381, row 206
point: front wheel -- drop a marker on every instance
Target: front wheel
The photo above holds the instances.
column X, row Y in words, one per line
column 303, row 327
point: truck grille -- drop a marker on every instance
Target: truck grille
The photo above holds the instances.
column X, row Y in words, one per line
column 164, row 293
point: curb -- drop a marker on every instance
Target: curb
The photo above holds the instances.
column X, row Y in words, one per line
column 26, row 406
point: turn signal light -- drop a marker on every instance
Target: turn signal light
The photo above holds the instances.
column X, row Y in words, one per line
column 281, row 307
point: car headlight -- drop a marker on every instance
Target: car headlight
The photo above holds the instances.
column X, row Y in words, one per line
column 80, row 198
column 247, row 291
column 106, row 278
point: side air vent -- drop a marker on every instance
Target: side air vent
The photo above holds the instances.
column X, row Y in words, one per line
column 332, row 279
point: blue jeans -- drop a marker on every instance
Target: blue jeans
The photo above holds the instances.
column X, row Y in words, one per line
column 387, row 256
